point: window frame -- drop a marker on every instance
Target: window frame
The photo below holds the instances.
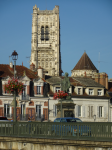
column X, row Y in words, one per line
column 38, row 91
column 6, row 108
column 91, row 92
column 100, row 111
column 56, row 89
column 99, row 92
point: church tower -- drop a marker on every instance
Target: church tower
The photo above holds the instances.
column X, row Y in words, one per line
column 45, row 44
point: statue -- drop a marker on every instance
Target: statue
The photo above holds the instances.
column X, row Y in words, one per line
column 65, row 85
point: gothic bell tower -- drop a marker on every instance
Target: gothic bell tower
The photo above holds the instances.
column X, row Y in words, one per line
column 45, row 44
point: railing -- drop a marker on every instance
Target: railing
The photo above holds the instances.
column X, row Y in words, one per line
column 74, row 131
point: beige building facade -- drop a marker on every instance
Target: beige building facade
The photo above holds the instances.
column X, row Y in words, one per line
column 45, row 44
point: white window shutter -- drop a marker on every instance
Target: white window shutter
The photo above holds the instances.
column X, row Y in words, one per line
column 38, row 110
column 76, row 111
column 53, row 110
column 105, row 112
column 98, row 111
column 88, row 111
column 83, row 111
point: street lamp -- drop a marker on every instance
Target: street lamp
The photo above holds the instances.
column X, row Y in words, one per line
column 61, row 90
column 14, row 57
column 94, row 117
column 48, row 108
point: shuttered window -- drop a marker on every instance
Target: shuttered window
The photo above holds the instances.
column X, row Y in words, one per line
column 38, row 110
column 90, row 111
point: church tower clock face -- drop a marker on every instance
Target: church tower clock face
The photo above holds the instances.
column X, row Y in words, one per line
column 45, row 45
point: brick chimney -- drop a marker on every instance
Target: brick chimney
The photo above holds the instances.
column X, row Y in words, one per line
column 102, row 78
column 32, row 67
column 40, row 72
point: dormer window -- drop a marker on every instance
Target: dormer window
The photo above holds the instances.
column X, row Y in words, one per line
column 90, row 91
column 57, row 89
column 99, row 92
column 79, row 91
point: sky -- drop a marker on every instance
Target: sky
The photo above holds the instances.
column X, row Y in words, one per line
column 86, row 25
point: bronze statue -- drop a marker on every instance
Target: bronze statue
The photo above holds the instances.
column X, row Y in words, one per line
column 65, row 85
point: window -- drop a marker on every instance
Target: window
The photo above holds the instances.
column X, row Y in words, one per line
column 100, row 111
column 38, row 90
column 90, row 91
column 79, row 91
column 46, row 64
column 57, row 89
column 63, row 120
column 90, row 111
column 23, row 109
column 6, row 110
column 46, row 33
column 42, row 33
column 38, row 110
column 79, row 111
column 24, row 91
column 99, row 92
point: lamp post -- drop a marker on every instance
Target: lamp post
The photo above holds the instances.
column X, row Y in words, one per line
column 14, row 57
column 48, row 109
column 94, row 117
column 61, row 90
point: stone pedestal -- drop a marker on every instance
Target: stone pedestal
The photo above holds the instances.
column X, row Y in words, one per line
column 67, row 108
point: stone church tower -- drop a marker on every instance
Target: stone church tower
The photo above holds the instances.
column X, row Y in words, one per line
column 45, row 44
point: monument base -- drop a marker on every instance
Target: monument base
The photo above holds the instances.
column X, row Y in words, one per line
column 67, row 108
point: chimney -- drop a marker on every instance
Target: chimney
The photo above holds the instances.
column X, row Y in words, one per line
column 106, row 81
column 22, row 63
column 40, row 72
column 32, row 67
column 11, row 64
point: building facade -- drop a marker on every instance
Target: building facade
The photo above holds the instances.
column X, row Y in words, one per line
column 45, row 44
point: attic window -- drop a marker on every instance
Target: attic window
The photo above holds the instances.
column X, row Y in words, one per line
column 79, row 91
column 99, row 92
column 90, row 91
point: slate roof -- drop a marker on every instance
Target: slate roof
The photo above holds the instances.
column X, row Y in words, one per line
column 85, row 63
column 53, row 79
column 88, row 82
column 5, row 71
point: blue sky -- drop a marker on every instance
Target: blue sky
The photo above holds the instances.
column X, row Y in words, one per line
column 85, row 25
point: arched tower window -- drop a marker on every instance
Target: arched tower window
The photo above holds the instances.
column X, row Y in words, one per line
column 46, row 33
column 42, row 33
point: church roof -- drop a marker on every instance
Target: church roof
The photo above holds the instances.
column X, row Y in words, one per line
column 84, row 63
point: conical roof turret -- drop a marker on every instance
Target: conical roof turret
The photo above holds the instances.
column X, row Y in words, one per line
column 85, row 63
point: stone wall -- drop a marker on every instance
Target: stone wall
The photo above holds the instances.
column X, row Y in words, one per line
column 51, row 144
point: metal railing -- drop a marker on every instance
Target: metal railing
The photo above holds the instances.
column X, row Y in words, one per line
column 75, row 131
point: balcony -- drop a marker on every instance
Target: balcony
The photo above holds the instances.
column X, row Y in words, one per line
column 24, row 98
